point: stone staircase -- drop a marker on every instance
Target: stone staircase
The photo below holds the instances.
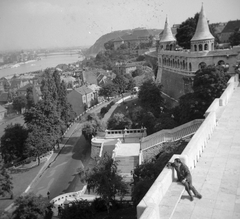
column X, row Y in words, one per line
column 127, row 164
column 151, row 144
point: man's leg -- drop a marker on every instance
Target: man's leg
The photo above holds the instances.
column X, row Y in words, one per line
column 188, row 189
column 195, row 192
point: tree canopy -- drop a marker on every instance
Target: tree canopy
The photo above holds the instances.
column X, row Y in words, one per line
column 186, row 31
column 6, row 184
column 30, row 206
column 91, row 126
column 234, row 39
column 80, row 209
column 19, row 103
column 13, row 143
column 209, row 83
column 119, row 121
column 108, row 90
column 150, row 96
column 104, row 178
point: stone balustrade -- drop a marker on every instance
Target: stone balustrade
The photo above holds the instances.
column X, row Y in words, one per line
column 71, row 196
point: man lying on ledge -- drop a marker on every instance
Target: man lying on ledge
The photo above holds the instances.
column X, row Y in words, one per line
column 185, row 177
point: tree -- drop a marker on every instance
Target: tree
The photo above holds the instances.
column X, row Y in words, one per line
column 80, row 209
column 186, row 31
column 92, row 126
column 30, row 207
column 29, row 97
column 13, row 143
column 45, row 117
column 6, row 184
column 108, row 90
column 119, row 121
column 121, row 83
column 150, row 96
column 209, row 83
column 234, row 39
column 145, row 174
column 88, row 131
column 131, row 82
column 109, row 45
column 38, row 142
column 19, row 103
column 104, row 178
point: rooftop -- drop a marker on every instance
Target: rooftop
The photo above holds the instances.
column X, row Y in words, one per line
column 231, row 26
column 202, row 31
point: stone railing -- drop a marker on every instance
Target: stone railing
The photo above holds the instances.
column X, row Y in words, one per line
column 126, row 133
column 166, row 135
column 71, row 196
column 148, row 208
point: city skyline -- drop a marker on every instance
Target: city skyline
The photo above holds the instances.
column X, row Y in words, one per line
column 37, row 24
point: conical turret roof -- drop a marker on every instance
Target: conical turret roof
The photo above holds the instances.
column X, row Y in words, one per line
column 167, row 35
column 202, row 31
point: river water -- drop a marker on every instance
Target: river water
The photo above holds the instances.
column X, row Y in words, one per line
column 45, row 62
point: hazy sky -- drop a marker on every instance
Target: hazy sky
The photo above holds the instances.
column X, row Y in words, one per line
column 47, row 23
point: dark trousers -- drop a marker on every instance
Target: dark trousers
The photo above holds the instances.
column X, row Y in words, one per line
column 189, row 187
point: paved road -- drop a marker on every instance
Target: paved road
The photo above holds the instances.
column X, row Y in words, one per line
column 62, row 176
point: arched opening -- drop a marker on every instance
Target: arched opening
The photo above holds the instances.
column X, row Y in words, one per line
column 202, row 65
column 190, row 67
column 171, row 46
column 183, row 64
column 195, row 47
column 186, row 66
column 173, row 63
column 167, row 47
column 206, row 47
column 178, row 63
column 200, row 47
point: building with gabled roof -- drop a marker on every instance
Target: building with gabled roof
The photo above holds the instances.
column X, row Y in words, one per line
column 4, row 98
column 81, row 98
column 228, row 30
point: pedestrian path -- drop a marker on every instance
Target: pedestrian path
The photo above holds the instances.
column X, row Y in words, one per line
column 217, row 174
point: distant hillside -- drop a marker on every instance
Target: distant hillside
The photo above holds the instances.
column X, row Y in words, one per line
column 99, row 44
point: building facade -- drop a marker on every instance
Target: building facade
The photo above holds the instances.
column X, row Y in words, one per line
column 176, row 69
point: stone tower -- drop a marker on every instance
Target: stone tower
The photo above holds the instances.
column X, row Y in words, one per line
column 167, row 40
column 202, row 40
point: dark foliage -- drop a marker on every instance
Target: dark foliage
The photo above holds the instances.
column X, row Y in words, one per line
column 186, row 31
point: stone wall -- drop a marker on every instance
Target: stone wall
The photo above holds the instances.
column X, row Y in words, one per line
column 173, row 83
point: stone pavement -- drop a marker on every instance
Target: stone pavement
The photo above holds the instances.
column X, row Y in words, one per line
column 217, row 174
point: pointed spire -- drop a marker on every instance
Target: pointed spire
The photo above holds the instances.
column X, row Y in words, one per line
column 167, row 35
column 202, row 31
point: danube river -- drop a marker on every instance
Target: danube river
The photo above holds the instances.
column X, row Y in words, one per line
column 45, row 62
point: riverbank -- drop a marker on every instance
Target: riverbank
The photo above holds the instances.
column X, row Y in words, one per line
column 38, row 65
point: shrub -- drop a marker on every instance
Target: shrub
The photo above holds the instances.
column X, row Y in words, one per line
column 99, row 205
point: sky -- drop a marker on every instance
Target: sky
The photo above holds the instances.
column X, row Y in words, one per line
column 36, row 24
